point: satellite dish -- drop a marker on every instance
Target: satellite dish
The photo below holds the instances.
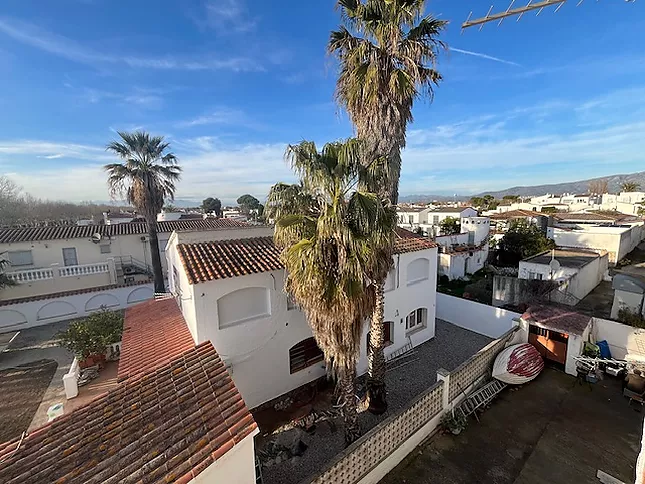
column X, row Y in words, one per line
column 554, row 265
column 96, row 238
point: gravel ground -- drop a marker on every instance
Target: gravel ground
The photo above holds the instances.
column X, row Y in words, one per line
column 450, row 347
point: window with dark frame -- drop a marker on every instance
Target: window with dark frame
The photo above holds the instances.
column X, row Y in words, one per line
column 416, row 319
column 304, row 354
column 389, row 334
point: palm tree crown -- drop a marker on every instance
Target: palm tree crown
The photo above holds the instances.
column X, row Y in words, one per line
column 146, row 177
column 388, row 52
column 330, row 232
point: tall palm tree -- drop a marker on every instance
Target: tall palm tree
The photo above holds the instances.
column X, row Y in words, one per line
column 630, row 187
column 146, row 177
column 388, row 52
column 330, row 232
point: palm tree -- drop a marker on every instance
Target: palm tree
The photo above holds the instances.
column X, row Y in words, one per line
column 5, row 280
column 630, row 187
column 146, row 177
column 388, row 53
column 330, row 232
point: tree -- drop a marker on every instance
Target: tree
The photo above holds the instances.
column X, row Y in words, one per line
column 146, row 178
column 630, row 187
column 388, row 54
column 598, row 187
column 450, row 226
column 477, row 202
column 331, row 233
column 5, row 280
column 523, row 240
column 247, row 203
column 512, row 198
column 212, row 205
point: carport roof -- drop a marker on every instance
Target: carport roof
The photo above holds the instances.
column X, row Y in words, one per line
column 557, row 319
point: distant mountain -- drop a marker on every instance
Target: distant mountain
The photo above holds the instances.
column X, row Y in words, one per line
column 614, row 183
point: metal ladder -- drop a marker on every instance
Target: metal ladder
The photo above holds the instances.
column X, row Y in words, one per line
column 481, row 397
column 401, row 351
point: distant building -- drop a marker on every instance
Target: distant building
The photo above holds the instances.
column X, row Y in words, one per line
column 114, row 218
column 465, row 253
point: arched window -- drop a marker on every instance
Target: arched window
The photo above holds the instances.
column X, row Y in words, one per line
column 304, row 354
column 416, row 319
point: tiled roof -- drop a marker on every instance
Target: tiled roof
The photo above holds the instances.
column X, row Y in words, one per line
column 449, row 210
column 154, row 332
column 222, row 259
column 594, row 217
column 74, row 292
column 558, row 319
column 8, row 236
column 514, row 214
column 164, row 426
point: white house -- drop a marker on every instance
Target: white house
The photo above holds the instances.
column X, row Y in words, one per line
column 467, row 252
column 412, row 217
column 231, row 292
column 577, row 272
column 438, row 214
column 45, row 260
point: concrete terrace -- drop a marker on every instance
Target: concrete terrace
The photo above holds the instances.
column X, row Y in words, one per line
column 552, row 430
column 406, row 378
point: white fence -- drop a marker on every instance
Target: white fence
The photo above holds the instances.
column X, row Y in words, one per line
column 33, row 275
column 381, row 449
column 31, row 312
column 622, row 339
column 480, row 318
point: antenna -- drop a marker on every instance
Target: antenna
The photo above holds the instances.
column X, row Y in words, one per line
column 520, row 11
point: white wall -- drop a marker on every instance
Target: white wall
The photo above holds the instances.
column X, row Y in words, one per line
column 256, row 351
column 49, row 310
column 618, row 241
column 480, row 318
column 457, row 265
column 626, row 300
column 236, row 466
column 622, row 339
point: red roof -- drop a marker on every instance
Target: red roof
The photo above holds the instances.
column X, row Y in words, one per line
column 154, row 333
column 558, row 319
column 8, row 236
column 208, row 261
column 515, row 214
column 166, row 425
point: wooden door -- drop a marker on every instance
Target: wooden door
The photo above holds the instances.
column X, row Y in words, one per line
column 552, row 345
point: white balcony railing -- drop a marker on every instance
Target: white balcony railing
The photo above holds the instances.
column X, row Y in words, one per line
column 84, row 269
column 31, row 275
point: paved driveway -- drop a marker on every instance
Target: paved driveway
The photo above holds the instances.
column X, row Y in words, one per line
column 549, row 431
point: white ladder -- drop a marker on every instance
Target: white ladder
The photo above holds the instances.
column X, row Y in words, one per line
column 481, row 397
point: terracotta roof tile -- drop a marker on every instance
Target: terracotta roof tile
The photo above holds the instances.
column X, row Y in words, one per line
column 167, row 425
column 154, row 332
column 515, row 214
column 208, row 261
column 8, row 236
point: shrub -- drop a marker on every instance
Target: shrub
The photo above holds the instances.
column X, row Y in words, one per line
column 93, row 334
column 630, row 318
column 444, row 280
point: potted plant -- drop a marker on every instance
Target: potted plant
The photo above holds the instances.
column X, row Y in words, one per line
column 89, row 338
column 454, row 422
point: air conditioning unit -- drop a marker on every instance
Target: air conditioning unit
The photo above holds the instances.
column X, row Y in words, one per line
column 129, row 270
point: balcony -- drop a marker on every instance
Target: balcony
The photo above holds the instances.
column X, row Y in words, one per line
column 48, row 280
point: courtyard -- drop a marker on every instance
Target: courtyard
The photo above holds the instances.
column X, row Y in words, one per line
column 552, row 430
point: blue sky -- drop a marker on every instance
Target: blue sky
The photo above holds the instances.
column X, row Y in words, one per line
column 554, row 98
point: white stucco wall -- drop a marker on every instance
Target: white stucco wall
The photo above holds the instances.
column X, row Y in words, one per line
column 237, row 466
column 256, row 350
column 456, row 265
column 622, row 339
column 45, row 311
column 626, row 300
column 618, row 241
column 480, row 318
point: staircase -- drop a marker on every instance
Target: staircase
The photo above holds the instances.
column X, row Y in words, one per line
column 127, row 266
column 480, row 397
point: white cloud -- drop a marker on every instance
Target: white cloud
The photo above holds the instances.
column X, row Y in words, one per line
column 227, row 16
column 36, row 37
column 218, row 116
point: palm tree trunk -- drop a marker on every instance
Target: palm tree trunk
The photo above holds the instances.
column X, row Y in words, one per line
column 347, row 391
column 157, row 272
column 376, row 391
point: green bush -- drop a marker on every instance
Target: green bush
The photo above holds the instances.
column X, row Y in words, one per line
column 630, row 318
column 93, row 334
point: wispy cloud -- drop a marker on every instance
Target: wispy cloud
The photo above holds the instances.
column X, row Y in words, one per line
column 485, row 56
column 38, row 38
column 225, row 17
column 220, row 116
column 53, row 157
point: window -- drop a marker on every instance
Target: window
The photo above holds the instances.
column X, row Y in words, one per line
column 388, row 338
column 418, row 270
column 304, row 354
column 435, row 219
column 416, row 319
column 20, row 258
column 243, row 305
column 410, row 219
column 535, row 275
column 69, row 256
column 106, row 248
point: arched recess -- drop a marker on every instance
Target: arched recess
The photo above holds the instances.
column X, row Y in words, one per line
column 11, row 317
column 140, row 294
column 418, row 270
column 103, row 300
column 243, row 305
column 56, row 309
